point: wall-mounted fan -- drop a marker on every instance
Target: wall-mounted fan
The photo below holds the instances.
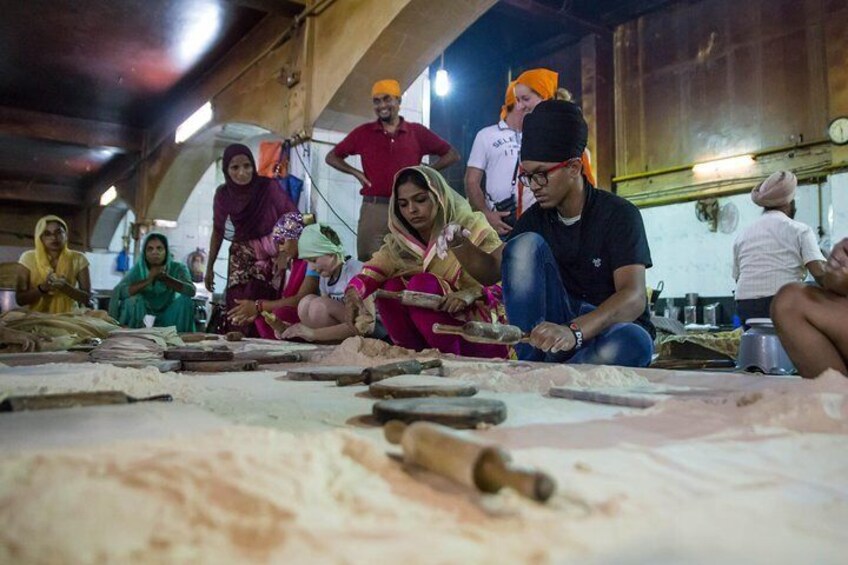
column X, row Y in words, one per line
column 728, row 218
column 719, row 218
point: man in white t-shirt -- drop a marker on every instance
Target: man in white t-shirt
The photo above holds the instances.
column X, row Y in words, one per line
column 495, row 156
column 775, row 250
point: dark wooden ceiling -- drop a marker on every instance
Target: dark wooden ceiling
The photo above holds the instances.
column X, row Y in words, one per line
column 80, row 80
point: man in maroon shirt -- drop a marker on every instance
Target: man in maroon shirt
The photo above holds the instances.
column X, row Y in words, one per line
column 385, row 146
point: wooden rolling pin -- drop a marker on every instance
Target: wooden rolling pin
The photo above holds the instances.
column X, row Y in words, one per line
column 194, row 337
column 382, row 372
column 71, row 399
column 482, row 332
column 233, row 366
column 466, row 460
column 413, row 298
column 197, row 354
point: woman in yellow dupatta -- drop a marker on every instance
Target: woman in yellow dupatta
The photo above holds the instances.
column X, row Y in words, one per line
column 421, row 205
column 52, row 278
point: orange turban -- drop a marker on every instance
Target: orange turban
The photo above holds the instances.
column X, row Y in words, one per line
column 587, row 168
column 509, row 99
column 387, row 86
column 542, row 81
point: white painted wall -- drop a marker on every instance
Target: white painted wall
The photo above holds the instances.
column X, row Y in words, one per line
column 102, row 263
column 690, row 258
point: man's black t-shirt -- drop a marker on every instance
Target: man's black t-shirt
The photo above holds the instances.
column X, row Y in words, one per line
column 609, row 235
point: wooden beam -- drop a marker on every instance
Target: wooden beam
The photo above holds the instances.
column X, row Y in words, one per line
column 538, row 50
column 115, row 171
column 581, row 26
column 627, row 11
column 23, row 191
column 64, row 129
column 242, row 55
column 281, row 7
column 597, row 76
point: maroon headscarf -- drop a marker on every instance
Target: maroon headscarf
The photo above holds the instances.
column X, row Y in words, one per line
column 245, row 212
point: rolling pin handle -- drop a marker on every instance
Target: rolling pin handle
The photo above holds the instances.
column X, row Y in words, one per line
column 431, row 364
column 388, row 294
column 157, row 398
column 446, row 329
column 393, row 431
column 495, row 472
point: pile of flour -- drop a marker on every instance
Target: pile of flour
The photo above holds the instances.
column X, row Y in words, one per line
column 366, row 351
column 248, row 495
column 817, row 405
column 493, row 377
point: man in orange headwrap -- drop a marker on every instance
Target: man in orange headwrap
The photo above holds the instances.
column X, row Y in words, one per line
column 385, row 146
column 532, row 87
column 495, row 156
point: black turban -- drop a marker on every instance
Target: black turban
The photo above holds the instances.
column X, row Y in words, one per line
column 553, row 132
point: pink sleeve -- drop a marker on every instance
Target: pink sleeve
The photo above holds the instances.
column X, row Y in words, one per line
column 368, row 281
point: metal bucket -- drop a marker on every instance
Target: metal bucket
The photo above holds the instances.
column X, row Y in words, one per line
column 760, row 350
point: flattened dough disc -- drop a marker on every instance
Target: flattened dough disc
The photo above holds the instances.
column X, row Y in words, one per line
column 322, row 372
column 414, row 386
column 453, row 412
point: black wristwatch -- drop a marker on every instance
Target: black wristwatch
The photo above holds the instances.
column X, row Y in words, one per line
column 578, row 335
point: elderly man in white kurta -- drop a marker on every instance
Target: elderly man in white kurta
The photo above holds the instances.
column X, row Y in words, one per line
column 775, row 250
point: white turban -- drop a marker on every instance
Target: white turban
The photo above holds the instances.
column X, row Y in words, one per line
column 777, row 190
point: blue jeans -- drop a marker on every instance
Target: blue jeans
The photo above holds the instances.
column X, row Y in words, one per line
column 534, row 293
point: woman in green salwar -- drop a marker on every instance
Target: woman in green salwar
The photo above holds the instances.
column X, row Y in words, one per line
column 155, row 286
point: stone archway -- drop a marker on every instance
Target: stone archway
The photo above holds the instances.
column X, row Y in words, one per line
column 186, row 168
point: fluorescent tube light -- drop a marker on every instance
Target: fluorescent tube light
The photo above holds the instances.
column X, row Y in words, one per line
column 194, row 122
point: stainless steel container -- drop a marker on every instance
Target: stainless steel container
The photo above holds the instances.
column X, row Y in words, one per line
column 7, row 299
column 690, row 315
column 711, row 314
column 760, row 350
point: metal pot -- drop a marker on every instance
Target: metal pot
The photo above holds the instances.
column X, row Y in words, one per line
column 760, row 350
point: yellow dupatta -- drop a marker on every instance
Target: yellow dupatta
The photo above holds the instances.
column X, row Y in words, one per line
column 403, row 254
column 68, row 265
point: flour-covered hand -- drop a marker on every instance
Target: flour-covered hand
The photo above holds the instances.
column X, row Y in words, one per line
column 301, row 331
column 453, row 235
column 551, row 337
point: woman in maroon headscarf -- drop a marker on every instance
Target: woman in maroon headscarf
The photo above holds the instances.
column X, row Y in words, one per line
column 246, row 207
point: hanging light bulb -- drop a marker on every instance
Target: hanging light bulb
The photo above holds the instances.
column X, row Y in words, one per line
column 442, row 84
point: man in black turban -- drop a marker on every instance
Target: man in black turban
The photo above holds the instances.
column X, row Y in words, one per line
column 573, row 270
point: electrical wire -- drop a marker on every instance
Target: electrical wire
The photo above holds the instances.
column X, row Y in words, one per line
column 315, row 186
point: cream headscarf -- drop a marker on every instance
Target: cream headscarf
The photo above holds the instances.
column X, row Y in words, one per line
column 402, row 253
